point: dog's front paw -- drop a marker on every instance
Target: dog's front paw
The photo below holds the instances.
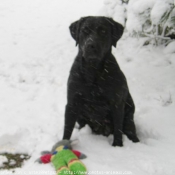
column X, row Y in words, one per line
column 135, row 140
column 117, row 143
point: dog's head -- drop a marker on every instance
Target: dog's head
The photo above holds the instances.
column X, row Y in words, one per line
column 95, row 36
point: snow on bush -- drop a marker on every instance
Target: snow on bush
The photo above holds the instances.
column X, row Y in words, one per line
column 115, row 9
column 154, row 19
column 170, row 48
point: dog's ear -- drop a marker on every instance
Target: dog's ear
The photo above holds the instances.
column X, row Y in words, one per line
column 74, row 29
column 117, row 31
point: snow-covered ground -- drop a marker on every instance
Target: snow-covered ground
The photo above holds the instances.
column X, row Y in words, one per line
column 36, row 53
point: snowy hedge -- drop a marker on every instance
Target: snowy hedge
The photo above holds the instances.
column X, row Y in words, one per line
column 154, row 19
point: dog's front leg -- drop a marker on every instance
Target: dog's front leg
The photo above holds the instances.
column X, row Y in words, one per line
column 70, row 119
column 118, row 116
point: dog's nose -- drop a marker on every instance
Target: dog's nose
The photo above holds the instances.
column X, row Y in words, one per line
column 91, row 47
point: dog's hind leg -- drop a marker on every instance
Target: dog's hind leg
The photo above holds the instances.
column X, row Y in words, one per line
column 128, row 124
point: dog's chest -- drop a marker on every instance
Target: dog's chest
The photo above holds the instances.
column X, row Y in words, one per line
column 94, row 103
column 93, row 93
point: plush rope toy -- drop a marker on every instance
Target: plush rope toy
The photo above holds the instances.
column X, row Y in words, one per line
column 65, row 160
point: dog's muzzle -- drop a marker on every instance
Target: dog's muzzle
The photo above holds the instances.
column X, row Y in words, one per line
column 91, row 50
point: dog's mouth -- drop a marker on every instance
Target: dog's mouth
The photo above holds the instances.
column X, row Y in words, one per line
column 91, row 55
column 92, row 61
column 92, row 58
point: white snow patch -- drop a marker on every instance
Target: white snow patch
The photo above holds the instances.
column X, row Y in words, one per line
column 115, row 9
column 170, row 48
column 139, row 6
column 159, row 9
column 135, row 8
column 3, row 159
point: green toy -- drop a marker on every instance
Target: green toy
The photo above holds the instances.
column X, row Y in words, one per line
column 65, row 160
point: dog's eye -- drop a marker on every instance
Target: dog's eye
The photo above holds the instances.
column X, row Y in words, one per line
column 103, row 32
column 86, row 31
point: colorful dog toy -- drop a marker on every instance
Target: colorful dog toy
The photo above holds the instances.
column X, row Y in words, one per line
column 65, row 160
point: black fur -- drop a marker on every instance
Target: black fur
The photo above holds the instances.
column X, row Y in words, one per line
column 98, row 94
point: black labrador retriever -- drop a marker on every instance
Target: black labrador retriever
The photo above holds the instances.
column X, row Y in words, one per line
column 98, row 94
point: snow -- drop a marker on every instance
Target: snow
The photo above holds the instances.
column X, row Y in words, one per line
column 135, row 14
column 12, row 162
column 3, row 159
column 159, row 9
column 36, row 53
column 141, row 15
column 140, row 6
column 170, row 48
column 115, row 9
